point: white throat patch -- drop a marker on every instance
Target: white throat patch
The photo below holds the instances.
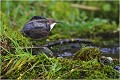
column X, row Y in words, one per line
column 52, row 25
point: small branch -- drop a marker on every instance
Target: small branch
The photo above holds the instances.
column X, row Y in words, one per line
column 67, row 41
column 79, row 6
column 85, row 7
column 57, row 43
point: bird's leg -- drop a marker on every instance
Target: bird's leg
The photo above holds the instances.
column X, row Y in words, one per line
column 45, row 50
column 33, row 42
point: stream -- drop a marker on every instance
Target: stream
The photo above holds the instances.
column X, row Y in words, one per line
column 69, row 52
column 69, row 49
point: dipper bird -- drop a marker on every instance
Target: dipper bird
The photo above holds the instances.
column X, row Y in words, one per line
column 38, row 27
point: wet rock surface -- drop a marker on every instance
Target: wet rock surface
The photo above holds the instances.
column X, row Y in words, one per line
column 117, row 68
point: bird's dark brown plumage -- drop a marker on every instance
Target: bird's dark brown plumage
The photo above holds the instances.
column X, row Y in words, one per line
column 37, row 27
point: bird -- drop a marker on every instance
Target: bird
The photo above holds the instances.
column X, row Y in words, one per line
column 38, row 27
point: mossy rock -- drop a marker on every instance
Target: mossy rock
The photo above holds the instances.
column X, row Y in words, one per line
column 87, row 53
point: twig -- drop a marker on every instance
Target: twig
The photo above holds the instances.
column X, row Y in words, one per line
column 58, row 43
column 67, row 41
column 92, row 8
column 85, row 7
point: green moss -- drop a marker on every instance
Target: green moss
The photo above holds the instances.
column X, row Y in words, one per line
column 97, row 75
column 87, row 54
column 110, row 72
column 25, row 65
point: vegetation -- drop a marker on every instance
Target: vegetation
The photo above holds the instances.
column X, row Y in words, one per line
column 27, row 66
column 100, row 26
column 87, row 54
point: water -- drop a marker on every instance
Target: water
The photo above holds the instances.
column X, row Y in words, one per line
column 69, row 51
column 111, row 52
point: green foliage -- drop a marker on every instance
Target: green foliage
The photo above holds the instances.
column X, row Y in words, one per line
column 63, row 12
column 108, row 9
column 14, row 37
column 75, row 21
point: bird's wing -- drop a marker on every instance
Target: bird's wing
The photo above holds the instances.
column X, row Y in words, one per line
column 38, row 32
column 39, row 24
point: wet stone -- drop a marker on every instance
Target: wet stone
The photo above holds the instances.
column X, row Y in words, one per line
column 117, row 68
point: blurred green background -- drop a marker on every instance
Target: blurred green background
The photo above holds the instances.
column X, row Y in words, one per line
column 83, row 19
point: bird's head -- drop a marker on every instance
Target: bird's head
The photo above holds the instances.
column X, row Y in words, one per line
column 52, row 22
